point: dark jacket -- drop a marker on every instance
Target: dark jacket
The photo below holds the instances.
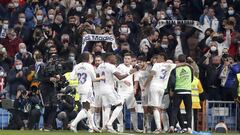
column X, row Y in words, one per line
column 211, row 78
column 68, row 105
column 14, row 82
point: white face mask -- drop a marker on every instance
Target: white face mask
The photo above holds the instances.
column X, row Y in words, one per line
column 119, row 5
column 18, row 67
column 98, row 7
column 225, row 5
column 164, row 46
column 79, row 9
column 83, row 2
column 39, row 17
column 169, row 12
column 133, row 6
column 213, row 48
column 109, row 12
column 230, row 12
column 71, row 58
column 22, row 20
column 16, row 4
column 51, row 17
column 124, row 30
column 5, row 26
column 23, row 50
column 177, row 32
column 162, row 16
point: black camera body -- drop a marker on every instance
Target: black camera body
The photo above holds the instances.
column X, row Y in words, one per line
column 55, row 68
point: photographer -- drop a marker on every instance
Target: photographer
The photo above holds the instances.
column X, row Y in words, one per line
column 26, row 107
column 50, row 77
column 66, row 106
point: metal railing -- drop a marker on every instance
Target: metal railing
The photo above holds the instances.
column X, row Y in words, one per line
column 221, row 111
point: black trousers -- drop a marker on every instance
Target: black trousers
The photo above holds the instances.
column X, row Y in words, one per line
column 50, row 102
column 34, row 117
column 187, row 100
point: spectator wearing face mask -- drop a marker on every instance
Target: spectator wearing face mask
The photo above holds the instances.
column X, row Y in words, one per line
column 221, row 9
column 66, row 47
column 16, row 77
column 210, row 20
column 31, row 10
column 24, row 55
column 130, row 37
column 4, row 28
column 23, row 31
column 13, row 9
column 5, row 61
column 51, row 15
column 59, row 24
column 11, row 42
column 167, row 45
column 228, row 79
column 212, row 67
column 77, row 9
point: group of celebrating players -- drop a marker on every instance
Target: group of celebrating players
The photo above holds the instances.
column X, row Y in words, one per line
column 104, row 84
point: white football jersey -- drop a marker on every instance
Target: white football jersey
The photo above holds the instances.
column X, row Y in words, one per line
column 122, row 86
column 161, row 77
column 85, row 74
column 107, row 70
column 96, row 86
column 141, row 76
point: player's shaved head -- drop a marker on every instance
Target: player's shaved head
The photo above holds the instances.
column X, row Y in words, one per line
column 111, row 58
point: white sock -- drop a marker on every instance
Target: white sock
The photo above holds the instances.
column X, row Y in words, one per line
column 115, row 114
column 106, row 115
column 97, row 119
column 157, row 118
column 90, row 119
column 134, row 120
column 81, row 115
column 165, row 120
column 120, row 118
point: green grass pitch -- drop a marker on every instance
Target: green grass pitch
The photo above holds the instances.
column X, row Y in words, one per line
column 59, row 132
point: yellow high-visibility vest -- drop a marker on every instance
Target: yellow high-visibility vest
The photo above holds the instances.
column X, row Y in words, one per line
column 73, row 83
column 196, row 90
column 238, row 77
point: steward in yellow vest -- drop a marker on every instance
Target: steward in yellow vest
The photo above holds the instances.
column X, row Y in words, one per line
column 196, row 91
column 74, row 84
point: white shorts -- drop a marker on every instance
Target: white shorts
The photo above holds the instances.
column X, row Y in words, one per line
column 155, row 98
column 129, row 99
column 98, row 101
column 88, row 97
column 165, row 101
column 107, row 99
column 144, row 97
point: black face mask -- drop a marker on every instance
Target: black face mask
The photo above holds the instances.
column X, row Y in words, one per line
column 124, row 51
column 71, row 25
column 98, row 53
column 218, row 39
column 225, row 55
column 215, row 65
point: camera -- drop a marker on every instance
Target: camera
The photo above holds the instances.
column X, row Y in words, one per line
column 55, row 68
